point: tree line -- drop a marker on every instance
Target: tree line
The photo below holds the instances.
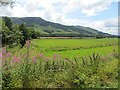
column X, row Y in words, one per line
column 13, row 35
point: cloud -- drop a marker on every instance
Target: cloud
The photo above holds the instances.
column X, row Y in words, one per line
column 108, row 26
column 112, row 22
column 95, row 8
column 87, row 7
column 58, row 10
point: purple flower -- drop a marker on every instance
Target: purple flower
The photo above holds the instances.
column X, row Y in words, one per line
column 16, row 59
column 0, row 54
column 34, row 59
column 8, row 54
column 4, row 51
column 54, row 56
column 41, row 55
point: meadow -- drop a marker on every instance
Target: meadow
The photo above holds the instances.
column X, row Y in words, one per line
column 70, row 48
column 62, row 63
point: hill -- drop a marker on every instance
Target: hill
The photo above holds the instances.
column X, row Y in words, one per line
column 47, row 28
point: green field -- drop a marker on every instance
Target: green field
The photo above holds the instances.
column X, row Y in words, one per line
column 70, row 48
column 75, row 47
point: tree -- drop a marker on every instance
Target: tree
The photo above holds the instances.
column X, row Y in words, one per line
column 17, row 35
column 8, row 22
column 10, row 38
column 25, row 35
column 7, row 3
column 13, row 35
column 5, row 34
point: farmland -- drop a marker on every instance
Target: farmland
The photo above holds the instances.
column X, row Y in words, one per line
column 77, row 46
column 62, row 63
column 71, row 48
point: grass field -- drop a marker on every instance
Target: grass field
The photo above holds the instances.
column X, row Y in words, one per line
column 62, row 63
column 70, row 48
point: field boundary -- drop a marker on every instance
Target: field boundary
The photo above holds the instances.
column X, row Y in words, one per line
column 77, row 48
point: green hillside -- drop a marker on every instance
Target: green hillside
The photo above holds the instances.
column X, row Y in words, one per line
column 47, row 28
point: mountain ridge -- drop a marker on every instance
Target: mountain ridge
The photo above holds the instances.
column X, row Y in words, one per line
column 55, row 29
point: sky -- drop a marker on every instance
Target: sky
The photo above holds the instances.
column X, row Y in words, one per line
column 98, row 14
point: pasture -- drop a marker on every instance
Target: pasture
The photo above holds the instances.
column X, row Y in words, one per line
column 70, row 48
column 62, row 63
column 75, row 47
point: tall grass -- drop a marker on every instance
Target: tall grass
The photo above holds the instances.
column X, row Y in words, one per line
column 39, row 71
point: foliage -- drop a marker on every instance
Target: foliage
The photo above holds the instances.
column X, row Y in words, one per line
column 8, row 23
column 39, row 71
column 13, row 35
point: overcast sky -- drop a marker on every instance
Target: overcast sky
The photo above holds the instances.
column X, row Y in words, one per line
column 98, row 14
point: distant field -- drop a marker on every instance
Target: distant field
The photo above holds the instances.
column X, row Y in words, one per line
column 72, row 43
column 71, row 48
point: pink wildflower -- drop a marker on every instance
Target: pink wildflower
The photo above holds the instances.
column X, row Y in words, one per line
column 34, row 59
column 8, row 54
column 54, row 56
column 16, row 59
column 41, row 55
column 3, row 51
column 0, row 54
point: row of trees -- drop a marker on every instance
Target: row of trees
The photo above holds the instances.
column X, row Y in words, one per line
column 15, row 34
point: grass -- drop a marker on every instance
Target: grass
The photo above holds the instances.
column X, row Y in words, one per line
column 71, row 43
column 70, row 48
column 39, row 65
column 82, row 52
